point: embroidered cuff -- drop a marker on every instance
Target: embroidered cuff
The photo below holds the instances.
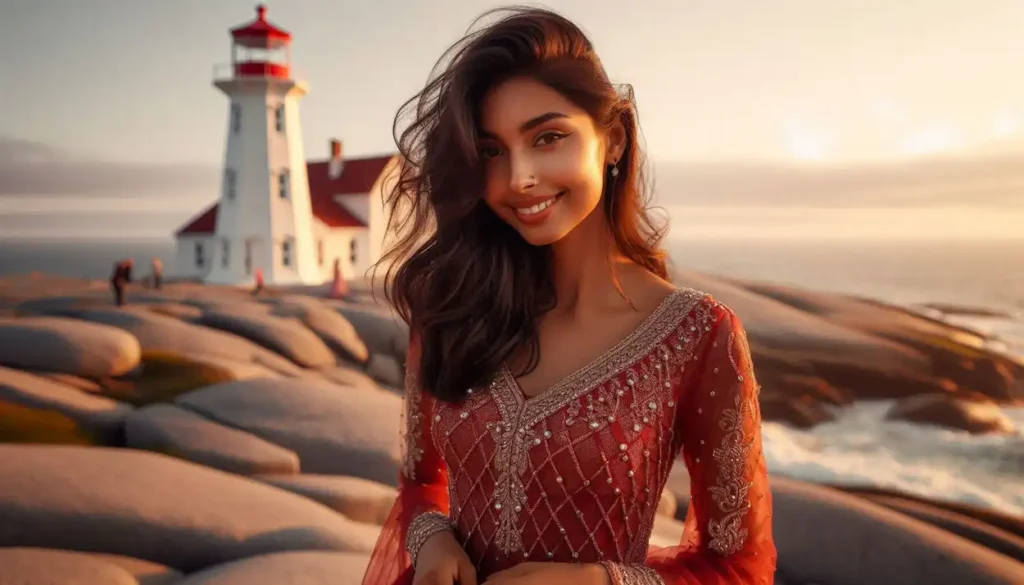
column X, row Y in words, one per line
column 632, row 574
column 423, row 527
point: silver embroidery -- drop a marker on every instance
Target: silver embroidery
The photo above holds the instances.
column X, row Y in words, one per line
column 509, row 494
column 422, row 528
column 412, row 431
column 632, row 574
column 585, row 389
column 661, row 322
column 511, row 491
column 729, row 493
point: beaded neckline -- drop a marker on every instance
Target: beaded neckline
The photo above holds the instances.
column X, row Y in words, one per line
column 651, row 331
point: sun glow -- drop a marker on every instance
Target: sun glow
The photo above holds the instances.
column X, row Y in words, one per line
column 931, row 140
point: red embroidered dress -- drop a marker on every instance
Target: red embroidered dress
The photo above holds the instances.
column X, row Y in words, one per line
column 574, row 474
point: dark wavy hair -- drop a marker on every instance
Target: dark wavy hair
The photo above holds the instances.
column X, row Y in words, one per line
column 469, row 286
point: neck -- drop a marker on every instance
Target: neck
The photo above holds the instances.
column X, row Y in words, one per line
column 583, row 263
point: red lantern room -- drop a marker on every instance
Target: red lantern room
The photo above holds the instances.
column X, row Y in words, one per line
column 260, row 49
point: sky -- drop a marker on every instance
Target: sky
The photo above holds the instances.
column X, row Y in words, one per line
column 807, row 82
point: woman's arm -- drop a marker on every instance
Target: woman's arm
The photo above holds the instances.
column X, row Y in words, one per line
column 421, row 509
column 728, row 534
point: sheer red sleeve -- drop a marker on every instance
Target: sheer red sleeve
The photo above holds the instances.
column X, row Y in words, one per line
column 421, row 508
column 728, row 534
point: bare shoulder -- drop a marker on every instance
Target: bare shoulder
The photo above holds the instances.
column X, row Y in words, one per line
column 656, row 291
column 661, row 287
column 645, row 289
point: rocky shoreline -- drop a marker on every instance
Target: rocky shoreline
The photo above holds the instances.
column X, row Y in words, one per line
column 200, row 435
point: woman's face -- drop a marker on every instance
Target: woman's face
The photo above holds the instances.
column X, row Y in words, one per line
column 544, row 160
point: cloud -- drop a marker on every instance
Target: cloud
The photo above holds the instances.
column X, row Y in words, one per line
column 128, row 224
column 858, row 223
column 31, row 168
column 992, row 181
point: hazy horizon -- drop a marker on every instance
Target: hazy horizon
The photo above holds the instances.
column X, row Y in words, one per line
column 943, row 199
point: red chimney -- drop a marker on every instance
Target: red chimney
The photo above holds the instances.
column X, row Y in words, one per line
column 335, row 163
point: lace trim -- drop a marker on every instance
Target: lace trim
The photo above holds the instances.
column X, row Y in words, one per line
column 631, row 574
column 423, row 527
column 412, row 448
column 728, row 534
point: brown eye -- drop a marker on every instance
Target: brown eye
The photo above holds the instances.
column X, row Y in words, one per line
column 549, row 138
column 489, row 152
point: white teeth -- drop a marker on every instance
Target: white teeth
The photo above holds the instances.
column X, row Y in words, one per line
column 535, row 208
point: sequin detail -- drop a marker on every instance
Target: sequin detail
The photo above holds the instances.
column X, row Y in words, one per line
column 594, row 400
column 423, row 527
column 632, row 574
column 412, row 431
column 730, row 492
column 579, row 481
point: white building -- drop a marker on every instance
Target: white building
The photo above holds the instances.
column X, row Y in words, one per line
column 276, row 211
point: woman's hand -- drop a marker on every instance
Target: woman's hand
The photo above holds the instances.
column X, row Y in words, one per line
column 443, row 561
column 547, row 573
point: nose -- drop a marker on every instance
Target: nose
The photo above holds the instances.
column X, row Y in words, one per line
column 522, row 177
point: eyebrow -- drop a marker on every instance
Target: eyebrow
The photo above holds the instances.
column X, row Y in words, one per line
column 530, row 124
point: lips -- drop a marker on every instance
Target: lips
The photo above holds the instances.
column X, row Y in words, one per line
column 535, row 210
column 529, row 202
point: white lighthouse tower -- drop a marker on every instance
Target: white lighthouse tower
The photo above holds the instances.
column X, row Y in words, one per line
column 264, row 219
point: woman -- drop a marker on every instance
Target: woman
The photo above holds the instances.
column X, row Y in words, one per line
column 554, row 374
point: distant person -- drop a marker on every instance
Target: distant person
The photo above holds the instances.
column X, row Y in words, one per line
column 554, row 373
column 120, row 279
column 339, row 286
column 257, row 282
column 158, row 273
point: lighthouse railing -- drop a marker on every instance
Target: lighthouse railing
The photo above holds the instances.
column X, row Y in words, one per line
column 243, row 69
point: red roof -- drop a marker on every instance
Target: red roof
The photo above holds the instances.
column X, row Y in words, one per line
column 357, row 178
column 332, row 213
column 260, row 33
column 204, row 223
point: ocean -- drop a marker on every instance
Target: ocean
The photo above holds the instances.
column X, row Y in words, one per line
column 860, row 447
column 81, row 258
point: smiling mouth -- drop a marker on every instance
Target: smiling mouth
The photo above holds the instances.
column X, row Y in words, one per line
column 539, row 207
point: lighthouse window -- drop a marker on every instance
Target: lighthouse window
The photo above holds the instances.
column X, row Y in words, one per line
column 236, row 118
column 352, row 250
column 200, row 255
column 286, row 252
column 279, row 118
column 225, row 256
column 320, row 252
column 229, row 183
column 283, row 185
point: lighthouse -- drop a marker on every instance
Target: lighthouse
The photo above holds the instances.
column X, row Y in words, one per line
column 264, row 215
column 297, row 221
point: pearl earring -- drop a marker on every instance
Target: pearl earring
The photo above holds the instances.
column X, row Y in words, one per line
column 615, row 171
